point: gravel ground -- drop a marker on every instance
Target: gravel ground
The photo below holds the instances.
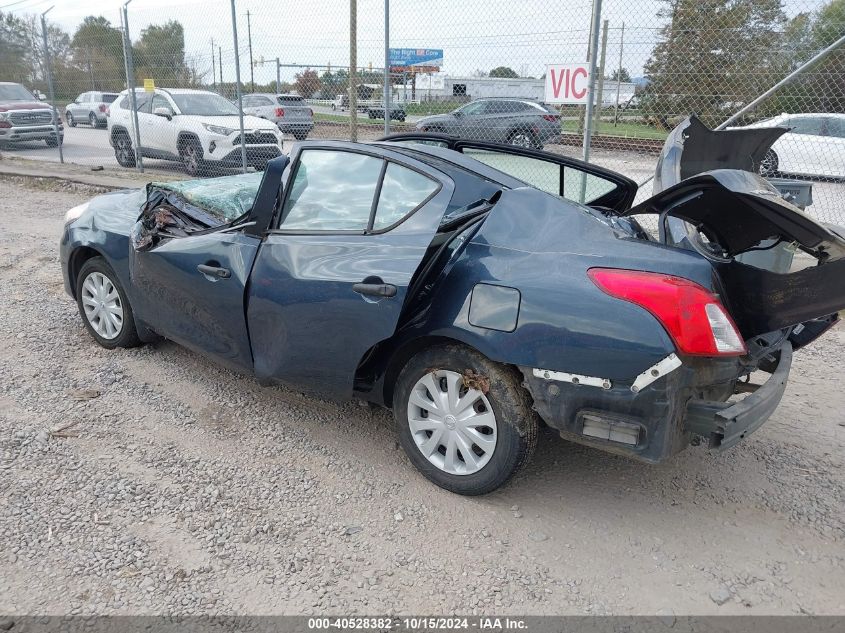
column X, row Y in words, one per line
column 180, row 487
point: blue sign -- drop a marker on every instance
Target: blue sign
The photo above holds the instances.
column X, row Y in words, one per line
column 414, row 57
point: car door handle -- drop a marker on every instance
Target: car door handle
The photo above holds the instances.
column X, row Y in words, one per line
column 214, row 271
column 375, row 290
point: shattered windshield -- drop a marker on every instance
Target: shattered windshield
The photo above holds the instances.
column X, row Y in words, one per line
column 226, row 198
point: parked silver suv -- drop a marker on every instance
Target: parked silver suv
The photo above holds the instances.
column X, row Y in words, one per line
column 290, row 112
column 519, row 122
column 90, row 108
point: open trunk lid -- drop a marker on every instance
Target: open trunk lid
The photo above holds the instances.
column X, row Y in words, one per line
column 709, row 198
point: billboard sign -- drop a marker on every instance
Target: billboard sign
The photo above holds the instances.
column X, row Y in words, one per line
column 415, row 60
column 567, row 83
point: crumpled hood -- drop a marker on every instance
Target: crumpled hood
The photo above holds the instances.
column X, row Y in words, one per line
column 692, row 148
column 7, row 106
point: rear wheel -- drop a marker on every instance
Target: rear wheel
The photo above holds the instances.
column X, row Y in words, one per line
column 522, row 138
column 300, row 135
column 191, row 154
column 53, row 141
column 464, row 421
column 103, row 305
column 70, row 120
column 769, row 164
column 123, row 151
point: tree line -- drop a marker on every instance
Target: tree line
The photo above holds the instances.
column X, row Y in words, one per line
column 93, row 57
column 714, row 56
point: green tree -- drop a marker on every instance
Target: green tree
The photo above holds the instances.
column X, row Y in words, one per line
column 98, row 52
column 504, row 72
column 14, row 49
column 712, row 56
column 160, row 55
column 624, row 76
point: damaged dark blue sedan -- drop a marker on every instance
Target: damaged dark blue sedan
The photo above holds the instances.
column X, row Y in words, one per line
column 480, row 291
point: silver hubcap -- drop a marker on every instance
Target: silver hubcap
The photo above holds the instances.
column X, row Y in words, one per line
column 453, row 426
column 102, row 305
column 191, row 160
column 521, row 140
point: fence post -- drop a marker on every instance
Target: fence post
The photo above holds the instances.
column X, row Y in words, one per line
column 278, row 77
column 619, row 75
column 238, row 85
column 591, row 92
column 130, row 85
column 49, row 70
column 353, row 70
column 387, row 86
column 600, row 97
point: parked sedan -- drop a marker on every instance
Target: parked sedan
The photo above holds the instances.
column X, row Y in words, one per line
column 414, row 274
column 290, row 112
column 519, row 122
column 814, row 146
column 90, row 108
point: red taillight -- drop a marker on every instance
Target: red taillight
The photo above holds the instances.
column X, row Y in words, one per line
column 693, row 316
column 551, row 117
column 280, row 112
column 103, row 107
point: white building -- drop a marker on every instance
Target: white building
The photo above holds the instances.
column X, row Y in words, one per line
column 440, row 87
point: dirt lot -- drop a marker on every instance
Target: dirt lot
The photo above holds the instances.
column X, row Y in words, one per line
column 184, row 488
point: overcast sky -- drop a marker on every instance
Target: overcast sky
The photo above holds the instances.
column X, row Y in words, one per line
column 474, row 34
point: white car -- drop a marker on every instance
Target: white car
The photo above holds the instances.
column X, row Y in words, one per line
column 199, row 128
column 814, row 146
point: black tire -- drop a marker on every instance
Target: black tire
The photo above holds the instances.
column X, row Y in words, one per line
column 769, row 164
column 523, row 138
column 123, row 151
column 300, row 136
column 516, row 422
column 92, row 120
column 191, row 154
column 70, row 120
column 52, row 141
column 127, row 336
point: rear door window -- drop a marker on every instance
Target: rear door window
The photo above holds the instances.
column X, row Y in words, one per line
column 811, row 126
column 403, row 190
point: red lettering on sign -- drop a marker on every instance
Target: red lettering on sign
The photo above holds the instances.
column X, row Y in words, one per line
column 578, row 94
column 562, row 79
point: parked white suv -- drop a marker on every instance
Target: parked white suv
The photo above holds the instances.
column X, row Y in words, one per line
column 199, row 128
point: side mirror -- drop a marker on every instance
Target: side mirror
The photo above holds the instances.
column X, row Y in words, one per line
column 457, row 113
column 167, row 113
column 42, row 96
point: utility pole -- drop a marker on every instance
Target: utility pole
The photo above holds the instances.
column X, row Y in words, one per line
column 213, row 67
column 220, row 56
column 619, row 75
column 387, row 85
column 278, row 77
column 591, row 93
column 600, row 78
column 353, row 70
column 251, row 64
column 238, row 86
column 49, row 73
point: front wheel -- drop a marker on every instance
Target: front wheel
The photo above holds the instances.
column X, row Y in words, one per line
column 103, row 305
column 53, row 141
column 769, row 164
column 192, row 158
column 70, row 120
column 464, row 421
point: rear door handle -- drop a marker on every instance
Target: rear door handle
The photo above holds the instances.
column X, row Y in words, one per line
column 214, row 271
column 375, row 290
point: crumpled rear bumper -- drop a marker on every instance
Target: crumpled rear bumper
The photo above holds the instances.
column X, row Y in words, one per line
column 727, row 423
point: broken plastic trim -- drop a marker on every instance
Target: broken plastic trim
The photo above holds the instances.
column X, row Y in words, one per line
column 658, row 370
column 575, row 379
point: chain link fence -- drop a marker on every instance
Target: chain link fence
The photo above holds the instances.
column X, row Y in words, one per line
column 478, row 70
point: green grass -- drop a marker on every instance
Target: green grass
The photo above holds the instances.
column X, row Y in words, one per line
column 623, row 128
column 431, row 107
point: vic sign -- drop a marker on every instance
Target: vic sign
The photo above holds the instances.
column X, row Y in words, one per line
column 567, row 83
